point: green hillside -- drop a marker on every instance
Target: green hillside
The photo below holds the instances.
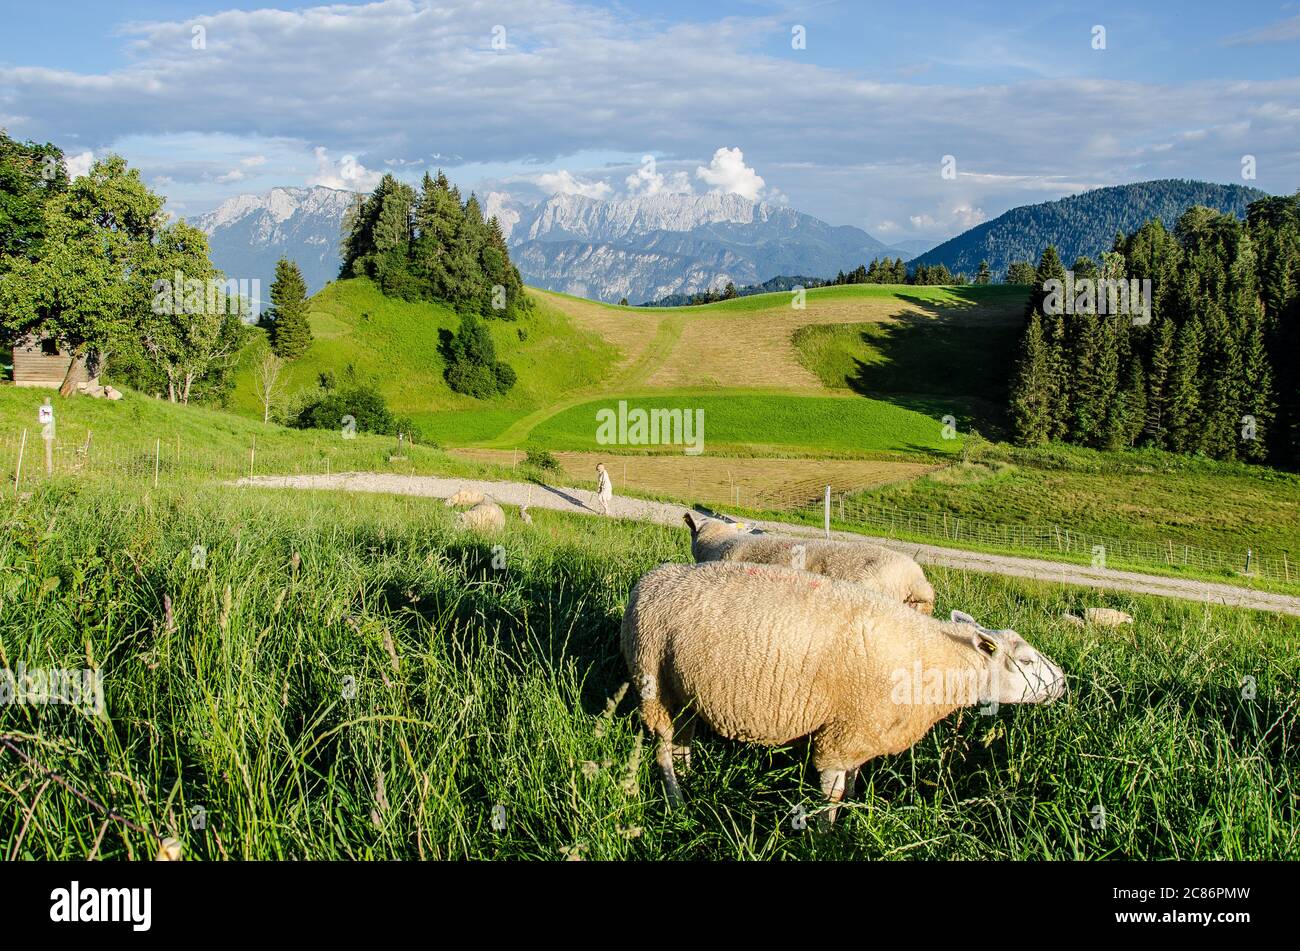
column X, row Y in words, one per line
column 568, row 351
column 363, row 336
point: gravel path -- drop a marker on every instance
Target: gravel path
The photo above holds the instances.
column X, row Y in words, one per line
column 665, row 513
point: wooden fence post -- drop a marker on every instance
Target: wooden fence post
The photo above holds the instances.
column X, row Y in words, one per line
column 18, row 473
column 828, row 511
column 157, row 453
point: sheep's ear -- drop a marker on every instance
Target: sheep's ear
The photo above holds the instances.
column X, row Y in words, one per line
column 691, row 524
column 961, row 617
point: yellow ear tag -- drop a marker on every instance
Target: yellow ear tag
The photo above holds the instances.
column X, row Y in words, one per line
column 742, row 526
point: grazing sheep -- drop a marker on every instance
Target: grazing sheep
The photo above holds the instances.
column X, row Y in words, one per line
column 466, row 497
column 486, row 516
column 768, row 654
column 1107, row 617
column 890, row 572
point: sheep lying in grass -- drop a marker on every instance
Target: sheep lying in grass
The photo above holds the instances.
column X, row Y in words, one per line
column 767, row 654
column 486, row 516
column 890, row 572
column 466, row 497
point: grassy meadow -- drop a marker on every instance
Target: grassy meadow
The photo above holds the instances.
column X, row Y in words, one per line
column 352, row 677
column 757, row 422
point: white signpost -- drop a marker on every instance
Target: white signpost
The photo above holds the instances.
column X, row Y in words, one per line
column 45, row 416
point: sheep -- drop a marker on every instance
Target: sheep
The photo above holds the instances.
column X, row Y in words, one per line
column 767, row 654
column 882, row 569
column 486, row 516
column 466, row 497
column 1107, row 617
column 524, row 516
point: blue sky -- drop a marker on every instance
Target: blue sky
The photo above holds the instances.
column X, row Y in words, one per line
column 852, row 127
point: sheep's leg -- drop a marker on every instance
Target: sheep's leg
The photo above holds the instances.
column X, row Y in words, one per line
column 850, row 782
column 659, row 720
column 683, row 736
column 665, row 759
column 834, row 782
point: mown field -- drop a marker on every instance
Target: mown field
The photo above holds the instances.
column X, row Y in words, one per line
column 756, row 422
column 352, row 677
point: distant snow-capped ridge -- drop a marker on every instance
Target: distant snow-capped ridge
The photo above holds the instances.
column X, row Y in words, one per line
column 571, row 216
column 639, row 247
column 248, row 234
column 279, row 204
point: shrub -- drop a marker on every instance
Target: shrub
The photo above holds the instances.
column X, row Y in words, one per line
column 363, row 403
column 472, row 379
column 505, row 376
column 542, row 459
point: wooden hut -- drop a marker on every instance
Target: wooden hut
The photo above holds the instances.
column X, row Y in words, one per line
column 39, row 361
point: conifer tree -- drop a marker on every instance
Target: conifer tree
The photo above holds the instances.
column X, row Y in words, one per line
column 290, row 329
column 1032, row 402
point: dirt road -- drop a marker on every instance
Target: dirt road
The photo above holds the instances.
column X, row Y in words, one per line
column 666, row 513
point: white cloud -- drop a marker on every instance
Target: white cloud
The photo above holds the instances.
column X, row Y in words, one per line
column 728, row 173
column 954, row 220
column 406, row 79
column 1283, row 31
column 79, row 164
column 563, row 183
column 648, row 180
column 347, row 173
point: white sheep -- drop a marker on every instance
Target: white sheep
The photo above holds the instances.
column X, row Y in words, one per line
column 882, row 569
column 767, row 654
column 486, row 516
column 466, row 497
column 1107, row 617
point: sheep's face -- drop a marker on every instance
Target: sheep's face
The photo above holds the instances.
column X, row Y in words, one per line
column 712, row 529
column 1016, row 672
column 921, row 597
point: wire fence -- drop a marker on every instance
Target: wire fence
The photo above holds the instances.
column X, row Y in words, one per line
column 27, row 459
column 1056, row 540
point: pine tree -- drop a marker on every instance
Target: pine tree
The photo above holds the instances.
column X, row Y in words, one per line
column 1158, row 380
column 1184, row 404
column 290, row 329
column 984, row 276
column 1032, row 402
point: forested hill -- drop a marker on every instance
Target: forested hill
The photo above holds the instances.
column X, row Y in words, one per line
column 1083, row 224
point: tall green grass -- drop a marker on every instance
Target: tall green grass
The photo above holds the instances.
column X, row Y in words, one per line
column 481, row 674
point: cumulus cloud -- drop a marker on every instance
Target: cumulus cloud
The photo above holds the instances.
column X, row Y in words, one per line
column 240, row 173
column 405, row 79
column 951, row 221
column 648, row 180
column 729, row 174
column 79, row 164
column 347, row 173
column 564, row 183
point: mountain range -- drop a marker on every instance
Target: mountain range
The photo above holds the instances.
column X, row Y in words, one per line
column 640, row 248
column 249, row 233
column 1083, row 224
column 669, row 245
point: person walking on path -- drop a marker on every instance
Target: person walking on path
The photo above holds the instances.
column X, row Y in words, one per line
column 604, row 488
